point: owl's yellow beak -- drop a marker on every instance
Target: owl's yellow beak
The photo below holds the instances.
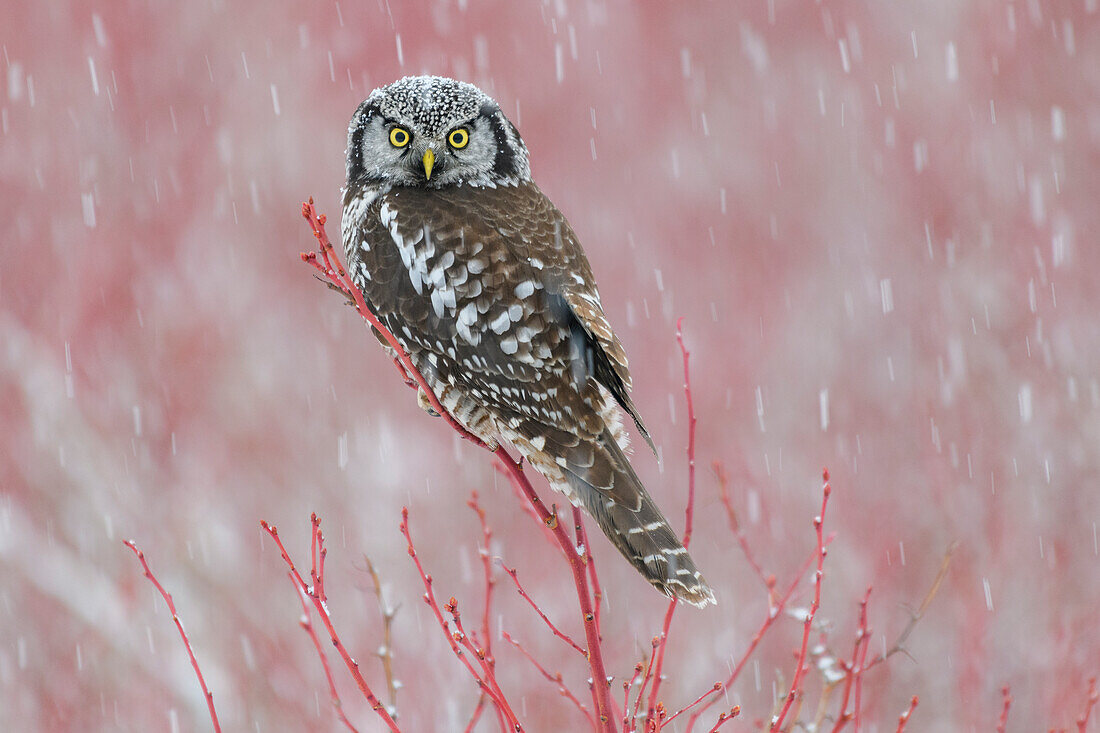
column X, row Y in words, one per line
column 429, row 161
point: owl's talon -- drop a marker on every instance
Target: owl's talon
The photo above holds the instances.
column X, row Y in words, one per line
column 424, row 402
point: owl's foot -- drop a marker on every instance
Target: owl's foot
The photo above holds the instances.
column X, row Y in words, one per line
column 424, row 402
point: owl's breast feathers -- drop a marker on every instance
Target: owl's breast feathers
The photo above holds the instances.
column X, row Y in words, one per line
column 490, row 286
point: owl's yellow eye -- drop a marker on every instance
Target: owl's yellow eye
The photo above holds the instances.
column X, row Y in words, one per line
column 399, row 137
column 459, row 138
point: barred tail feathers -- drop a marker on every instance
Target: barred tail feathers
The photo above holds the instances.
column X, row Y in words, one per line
column 613, row 495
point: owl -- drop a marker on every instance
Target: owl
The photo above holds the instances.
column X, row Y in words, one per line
column 482, row 281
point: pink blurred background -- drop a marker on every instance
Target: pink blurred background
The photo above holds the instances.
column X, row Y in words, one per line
column 879, row 221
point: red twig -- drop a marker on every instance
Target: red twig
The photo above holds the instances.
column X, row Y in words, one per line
column 724, row 718
column 855, row 669
column 646, row 678
column 600, row 691
column 557, row 632
column 556, row 678
column 458, row 640
column 774, row 612
column 315, row 594
column 333, row 272
column 714, row 688
column 183, row 634
column 735, row 527
column 1006, row 698
column 689, row 513
column 860, row 663
column 590, row 563
column 903, row 719
column 476, row 715
column 628, row 724
column 307, row 625
column 800, row 669
column 487, row 567
column 1090, row 703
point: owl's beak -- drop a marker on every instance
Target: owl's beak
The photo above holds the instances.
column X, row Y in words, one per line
column 429, row 161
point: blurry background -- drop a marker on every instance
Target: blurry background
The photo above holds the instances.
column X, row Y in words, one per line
column 878, row 220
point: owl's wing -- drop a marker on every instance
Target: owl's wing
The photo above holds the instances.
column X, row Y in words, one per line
column 603, row 355
column 492, row 283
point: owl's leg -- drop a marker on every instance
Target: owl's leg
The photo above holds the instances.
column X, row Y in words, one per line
column 424, row 402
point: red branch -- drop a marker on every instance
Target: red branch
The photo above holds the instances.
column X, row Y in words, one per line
column 860, row 664
column 855, row 669
column 1090, row 703
column 334, row 273
column 689, row 513
column 715, row 688
column 315, row 593
column 557, row 632
column 646, row 678
column 183, row 634
column 774, row 612
column 903, row 719
column 556, row 678
column 735, row 527
column 628, row 724
column 590, row 563
column 1006, row 697
column 724, row 718
column 577, row 564
column 307, row 625
column 800, row 670
column 458, row 639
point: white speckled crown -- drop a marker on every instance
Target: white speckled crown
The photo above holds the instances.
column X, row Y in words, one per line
column 433, row 101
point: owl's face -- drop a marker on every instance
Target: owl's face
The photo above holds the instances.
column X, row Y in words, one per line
column 433, row 132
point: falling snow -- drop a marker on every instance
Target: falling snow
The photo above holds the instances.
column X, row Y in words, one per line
column 880, row 230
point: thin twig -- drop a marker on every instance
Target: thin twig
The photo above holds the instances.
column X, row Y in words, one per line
column 600, row 692
column 511, row 572
column 724, row 718
column 774, row 612
column 735, row 527
column 1006, row 703
column 385, row 654
column 903, row 719
column 1090, row 703
column 459, row 644
column 556, row 678
column 715, row 688
column 322, row 612
column 899, row 643
column 800, row 669
column 628, row 723
column 476, row 715
column 854, row 670
column 183, row 634
column 307, row 625
column 689, row 513
column 647, row 677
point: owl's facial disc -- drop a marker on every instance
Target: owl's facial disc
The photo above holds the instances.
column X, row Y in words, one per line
column 434, row 132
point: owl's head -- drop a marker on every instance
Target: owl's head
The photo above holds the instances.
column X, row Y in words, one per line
column 433, row 132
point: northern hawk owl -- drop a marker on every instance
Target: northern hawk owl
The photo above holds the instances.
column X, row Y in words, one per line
column 482, row 281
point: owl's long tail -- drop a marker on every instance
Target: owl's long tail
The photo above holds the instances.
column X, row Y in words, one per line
column 602, row 477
